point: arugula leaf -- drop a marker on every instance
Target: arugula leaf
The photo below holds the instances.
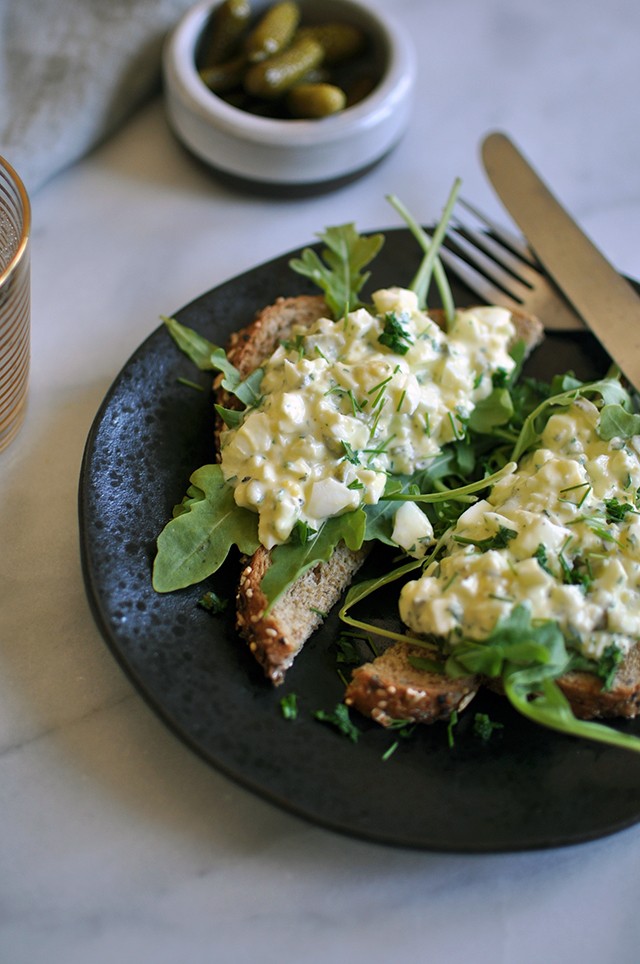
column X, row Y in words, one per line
column 617, row 422
column 232, row 417
column 361, row 590
column 291, row 560
column 198, row 348
column 195, row 543
column 341, row 276
column 209, row 357
column 609, row 389
column 496, row 409
column 608, row 664
column 444, row 495
column 428, row 665
column 380, row 517
column 529, row 656
column 535, row 649
column 544, row 703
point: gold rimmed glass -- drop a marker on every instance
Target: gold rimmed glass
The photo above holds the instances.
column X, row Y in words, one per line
column 15, row 301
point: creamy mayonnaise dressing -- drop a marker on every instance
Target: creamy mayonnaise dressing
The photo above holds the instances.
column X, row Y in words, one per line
column 340, row 409
column 559, row 549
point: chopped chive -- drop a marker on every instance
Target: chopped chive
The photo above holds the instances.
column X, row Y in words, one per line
column 390, row 750
column 379, row 385
column 189, row 383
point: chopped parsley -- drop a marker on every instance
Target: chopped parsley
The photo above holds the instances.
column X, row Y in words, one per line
column 616, row 511
column 483, row 726
column 500, row 540
column 348, row 650
column 295, row 344
column 578, row 573
column 340, row 719
column 289, row 706
column 541, row 556
column 394, row 336
column 605, row 667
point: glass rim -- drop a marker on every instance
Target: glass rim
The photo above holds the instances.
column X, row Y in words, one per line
column 26, row 220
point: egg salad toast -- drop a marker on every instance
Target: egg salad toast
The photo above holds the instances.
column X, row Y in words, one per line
column 276, row 633
column 343, row 423
column 535, row 590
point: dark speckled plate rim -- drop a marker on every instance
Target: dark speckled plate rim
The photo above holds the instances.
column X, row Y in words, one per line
column 530, row 789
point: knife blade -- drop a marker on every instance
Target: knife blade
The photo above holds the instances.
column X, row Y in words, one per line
column 607, row 302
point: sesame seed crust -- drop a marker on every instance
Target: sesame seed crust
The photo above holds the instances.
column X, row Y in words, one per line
column 389, row 688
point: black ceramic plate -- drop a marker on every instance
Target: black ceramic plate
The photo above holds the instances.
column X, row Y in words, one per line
column 525, row 788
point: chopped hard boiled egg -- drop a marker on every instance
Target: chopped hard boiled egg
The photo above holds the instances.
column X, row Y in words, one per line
column 346, row 403
column 545, row 538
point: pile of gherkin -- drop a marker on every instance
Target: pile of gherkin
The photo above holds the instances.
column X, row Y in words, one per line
column 276, row 65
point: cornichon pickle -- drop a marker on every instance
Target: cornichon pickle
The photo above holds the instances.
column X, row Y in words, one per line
column 272, row 77
column 223, row 77
column 228, row 24
column 273, row 31
column 315, row 100
column 340, row 41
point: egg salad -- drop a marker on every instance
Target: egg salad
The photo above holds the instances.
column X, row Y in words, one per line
column 348, row 402
column 560, row 536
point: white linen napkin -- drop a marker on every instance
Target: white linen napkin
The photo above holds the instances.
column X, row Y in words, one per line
column 71, row 71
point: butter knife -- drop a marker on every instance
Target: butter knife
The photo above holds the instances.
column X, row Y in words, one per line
column 607, row 303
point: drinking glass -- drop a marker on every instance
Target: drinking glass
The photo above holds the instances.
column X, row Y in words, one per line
column 15, row 301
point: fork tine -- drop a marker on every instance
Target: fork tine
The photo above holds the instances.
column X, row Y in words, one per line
column 478, row 283
column 509, row 238
column 501, row 269
column 472, row 250
column 502, row 255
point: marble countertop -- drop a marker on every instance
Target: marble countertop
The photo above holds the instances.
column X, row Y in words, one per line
column 117, row 842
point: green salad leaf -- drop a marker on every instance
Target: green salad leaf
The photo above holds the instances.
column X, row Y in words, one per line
column 338, row 270
column 209, row 357
column 292, row 559
column 196, row 542
column 617, row 422
column 547, row 705
column 609, row 389
column 535, row 650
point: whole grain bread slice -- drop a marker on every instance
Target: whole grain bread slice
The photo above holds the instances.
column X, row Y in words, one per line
column 590, row 699
column 276, row 635
column 389, row 689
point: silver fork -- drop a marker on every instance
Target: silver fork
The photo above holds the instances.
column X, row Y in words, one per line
column 499, row 267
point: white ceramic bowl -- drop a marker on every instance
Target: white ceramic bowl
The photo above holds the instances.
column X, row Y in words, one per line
column 291, row 157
